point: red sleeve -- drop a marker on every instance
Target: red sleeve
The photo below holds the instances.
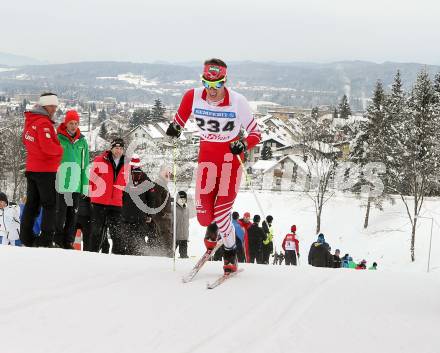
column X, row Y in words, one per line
column 185, row 108
column 297, row 245
column 284, row 243
column 254, row 134
column 48, row 140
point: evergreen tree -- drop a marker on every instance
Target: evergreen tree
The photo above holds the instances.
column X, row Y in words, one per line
column 344, row 108
column 103, row 132
column 367, row 147
column 102, row 116
column 266, row 152
column 315, row 113
column 416, row 156
column 335, row 113
column 140, row 117
column 158, row 110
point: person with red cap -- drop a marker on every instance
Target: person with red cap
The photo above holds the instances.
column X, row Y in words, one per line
column 43, row 156
column 72, row 179
column 221, row 115
column 291, row 247
column 245, row 222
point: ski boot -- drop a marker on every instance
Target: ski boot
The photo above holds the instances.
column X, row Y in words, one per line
column 211, row 237
column 230, row 260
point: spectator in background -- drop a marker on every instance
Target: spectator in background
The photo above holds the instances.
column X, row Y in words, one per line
column 319, row 254
column 163, row 218
column 9, row 222
column 291, row 247
column 345, row 261
column 267, row 248
column 182, row 224
column 351, row 263
column 72, row 179
column 239, row 233
column 256, row 237
column 362, row 265
column 373, row 266
column 336, row 260
column 137, row 200
column 107, row 180
column 245, row 223
column 84, row 221
column 43, row 157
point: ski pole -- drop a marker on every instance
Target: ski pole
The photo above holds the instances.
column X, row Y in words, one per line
column 174, row 205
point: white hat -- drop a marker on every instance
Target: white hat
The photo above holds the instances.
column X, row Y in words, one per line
column 48, row 99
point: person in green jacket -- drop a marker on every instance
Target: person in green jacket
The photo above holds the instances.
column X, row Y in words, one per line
column 72, row 179
column 267, row 242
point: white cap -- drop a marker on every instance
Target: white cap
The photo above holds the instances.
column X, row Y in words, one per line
column 51, row 99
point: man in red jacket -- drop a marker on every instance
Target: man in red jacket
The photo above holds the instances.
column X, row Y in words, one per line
column 245, row 222
column 291, row 247
column 108, row 178
column 43, row 157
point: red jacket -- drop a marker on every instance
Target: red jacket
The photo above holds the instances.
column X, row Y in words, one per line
column 43, row 149
column 245, row 226
column 290, row 242
column 106, row 184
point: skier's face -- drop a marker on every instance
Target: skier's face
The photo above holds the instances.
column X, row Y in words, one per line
column 215, row 94
column 3, row 204
column 51, row 109
column 72, row 126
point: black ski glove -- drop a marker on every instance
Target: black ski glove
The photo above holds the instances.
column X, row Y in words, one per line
column 174, row 130
column 237, row 147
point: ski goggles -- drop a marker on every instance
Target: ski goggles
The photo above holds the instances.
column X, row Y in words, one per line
column 214, row 84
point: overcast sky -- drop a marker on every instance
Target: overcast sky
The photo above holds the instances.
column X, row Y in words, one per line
column 192, row 30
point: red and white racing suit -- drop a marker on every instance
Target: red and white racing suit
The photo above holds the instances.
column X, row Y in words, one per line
column 218, row 173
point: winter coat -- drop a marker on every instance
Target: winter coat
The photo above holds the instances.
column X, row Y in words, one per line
column 107, row 181
column 131, row 213
column 256, row 236
column 182, row 222
column 268, row 231
column 245, row 226
column 85, row 207
column 291, row 243
column 43, row 149
column 239, row 231
column 10, row 222
column 319, row 255
column 336, row 261
column 76, row 150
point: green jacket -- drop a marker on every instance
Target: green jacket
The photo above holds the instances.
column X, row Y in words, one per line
column 269, row 236
column 76, row 150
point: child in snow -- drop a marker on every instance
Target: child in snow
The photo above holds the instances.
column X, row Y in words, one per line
column 9, row 222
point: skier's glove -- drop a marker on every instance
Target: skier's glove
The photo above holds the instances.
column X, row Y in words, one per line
column 237, row 147
column 174, row 130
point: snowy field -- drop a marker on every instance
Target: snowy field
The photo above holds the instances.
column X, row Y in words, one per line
column 60, row 301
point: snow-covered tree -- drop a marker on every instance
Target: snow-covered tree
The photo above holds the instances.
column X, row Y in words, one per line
column 158, row 110
column 140, row 117
column 416, row 157
column 266, row 152
column 344, row 108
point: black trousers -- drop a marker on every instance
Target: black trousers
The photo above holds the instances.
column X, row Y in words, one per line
column 290, row 257
column 267, row 250
column 67, row 212
column 240, row 250
column 255, row 255
column 84, row 223
column 105, row 217
column 40, row 193
column 183, row 248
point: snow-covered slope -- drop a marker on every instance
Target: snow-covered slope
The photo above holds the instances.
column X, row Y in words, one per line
column 67, row 301
column 386, row 240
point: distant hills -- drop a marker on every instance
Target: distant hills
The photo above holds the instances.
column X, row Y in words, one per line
column 7, row 59
column 297, row 84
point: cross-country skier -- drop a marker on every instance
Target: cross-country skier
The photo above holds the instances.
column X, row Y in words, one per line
column 221, row 115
